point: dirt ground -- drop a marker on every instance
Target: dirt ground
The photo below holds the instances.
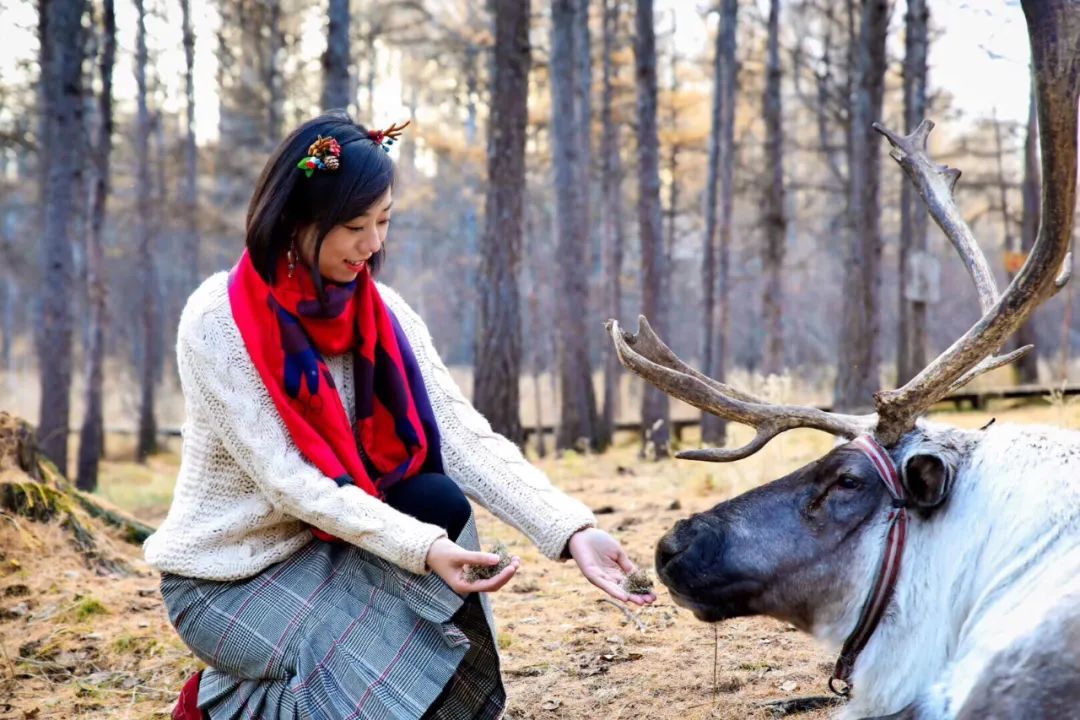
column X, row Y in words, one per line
column 74, row 644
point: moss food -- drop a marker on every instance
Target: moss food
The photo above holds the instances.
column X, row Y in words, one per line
column 638, row 583
column 486, row 572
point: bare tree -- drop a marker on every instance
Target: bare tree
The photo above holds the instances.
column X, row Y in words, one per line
column 1028, row 366
column 775, row 217
column 655, row 406
column 611, row 188
column 61, row 108
column 911, row 341
column 336, row 83
column 91, row 435
column 577, row 419
column 147, row 432
column 720, row 177
column 498, row 339
column 860, row 338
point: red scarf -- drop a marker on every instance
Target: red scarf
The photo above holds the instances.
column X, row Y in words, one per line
column 287, row 332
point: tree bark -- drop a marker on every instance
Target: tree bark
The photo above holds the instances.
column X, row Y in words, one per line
column 61, row 66
column 1027, row 367
column 144, row 212
column 611, row 187
column 655, row 410
column 336, row 58
column 860, row 343
column 92, row 433
column 189, row 193
column 578, row 418
column 911, row 341
column 272, row 71
column 775, row 216
column 498, row 341
column 719, row 181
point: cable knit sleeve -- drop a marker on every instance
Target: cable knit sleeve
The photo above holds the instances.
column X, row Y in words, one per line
column 222, row 385
column 489, row 468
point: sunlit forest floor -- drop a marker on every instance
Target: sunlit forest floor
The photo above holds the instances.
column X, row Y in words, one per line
column 77, row 645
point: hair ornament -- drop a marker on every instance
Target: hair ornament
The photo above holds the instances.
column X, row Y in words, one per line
column 385, row 138
column 323, row 154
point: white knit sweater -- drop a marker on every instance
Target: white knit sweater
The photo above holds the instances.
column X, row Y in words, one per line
column 245, row 495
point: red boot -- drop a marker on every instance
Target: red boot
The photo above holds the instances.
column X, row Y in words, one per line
column 187, row 707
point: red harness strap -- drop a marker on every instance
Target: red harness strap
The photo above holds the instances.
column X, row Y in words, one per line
column 888, row 571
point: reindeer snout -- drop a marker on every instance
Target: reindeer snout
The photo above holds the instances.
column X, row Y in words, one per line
column 666, row 550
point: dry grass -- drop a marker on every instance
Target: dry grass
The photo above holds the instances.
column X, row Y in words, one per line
column 76, row 645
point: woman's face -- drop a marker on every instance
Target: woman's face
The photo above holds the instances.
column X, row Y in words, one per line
column 349, row 245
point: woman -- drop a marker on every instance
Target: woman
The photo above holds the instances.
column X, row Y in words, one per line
column 316, row 552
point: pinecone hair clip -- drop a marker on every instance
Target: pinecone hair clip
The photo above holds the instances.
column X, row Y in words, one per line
column 385, row 138
column 323, row 154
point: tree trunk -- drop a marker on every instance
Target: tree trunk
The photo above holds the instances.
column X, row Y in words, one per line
column 775, row 216
column 578, row 420
column 272, row 72
column 189, row 198
column 611, row 187
column 92, row 434
column 1027, row 367
column 498, row 341
column 336, row 58
column 720, row 176
column 655, row 410
column 61, row 68
column 860, row 343
column 147, row 432
column 911, row 341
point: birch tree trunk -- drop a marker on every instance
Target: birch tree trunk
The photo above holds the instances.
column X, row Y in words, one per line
column 91, row 435
column 144, row 211
column 911, row 341
column 61, row 95
column 775, row 217
column 720, row 175
column 336, row 58
column 611, row 188
column 860, row 342
column 578, row 419
column 655, row 411
column 498, row 341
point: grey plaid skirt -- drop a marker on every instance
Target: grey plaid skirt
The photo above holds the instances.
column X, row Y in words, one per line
column 334, row 632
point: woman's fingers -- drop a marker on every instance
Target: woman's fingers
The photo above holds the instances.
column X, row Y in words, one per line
column 468, row 557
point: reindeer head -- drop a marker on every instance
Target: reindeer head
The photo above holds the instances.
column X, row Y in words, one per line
column 802, row 547
column 798, row 548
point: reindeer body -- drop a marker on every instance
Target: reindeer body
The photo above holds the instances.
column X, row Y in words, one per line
column 996, row 568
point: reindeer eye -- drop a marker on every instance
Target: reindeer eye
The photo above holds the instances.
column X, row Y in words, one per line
column 849, row 482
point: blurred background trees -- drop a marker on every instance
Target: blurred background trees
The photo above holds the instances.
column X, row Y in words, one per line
column 710, row 164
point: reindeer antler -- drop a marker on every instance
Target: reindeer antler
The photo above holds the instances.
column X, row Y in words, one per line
column 1054, row 29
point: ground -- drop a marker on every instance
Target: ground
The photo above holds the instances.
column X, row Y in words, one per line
column 75, row 644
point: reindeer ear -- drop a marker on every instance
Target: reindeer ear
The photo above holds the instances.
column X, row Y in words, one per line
column 927, row 479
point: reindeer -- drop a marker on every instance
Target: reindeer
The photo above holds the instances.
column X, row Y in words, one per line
column 945, row 563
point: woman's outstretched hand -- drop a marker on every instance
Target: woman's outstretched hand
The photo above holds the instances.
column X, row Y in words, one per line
column 447, row 559
column 605, row 564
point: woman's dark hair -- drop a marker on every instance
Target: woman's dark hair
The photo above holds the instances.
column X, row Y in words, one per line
column 286, row 200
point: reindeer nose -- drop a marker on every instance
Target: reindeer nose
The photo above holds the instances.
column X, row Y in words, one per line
column 666, row 550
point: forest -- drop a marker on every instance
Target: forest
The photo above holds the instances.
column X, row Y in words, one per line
column 711, row 165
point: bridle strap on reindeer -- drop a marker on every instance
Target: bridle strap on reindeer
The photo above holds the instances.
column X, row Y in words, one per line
column 888, row 571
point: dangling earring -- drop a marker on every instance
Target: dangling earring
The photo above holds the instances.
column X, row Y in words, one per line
column 290, row 257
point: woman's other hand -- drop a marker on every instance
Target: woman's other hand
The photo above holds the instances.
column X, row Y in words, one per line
column 447, row 559
column 605, row 564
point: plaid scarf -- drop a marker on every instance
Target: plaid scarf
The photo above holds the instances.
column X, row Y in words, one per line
column 287, row 331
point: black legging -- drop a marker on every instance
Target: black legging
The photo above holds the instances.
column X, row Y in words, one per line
column 432, row 498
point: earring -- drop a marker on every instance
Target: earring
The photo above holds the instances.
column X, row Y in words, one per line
column 290, row 257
